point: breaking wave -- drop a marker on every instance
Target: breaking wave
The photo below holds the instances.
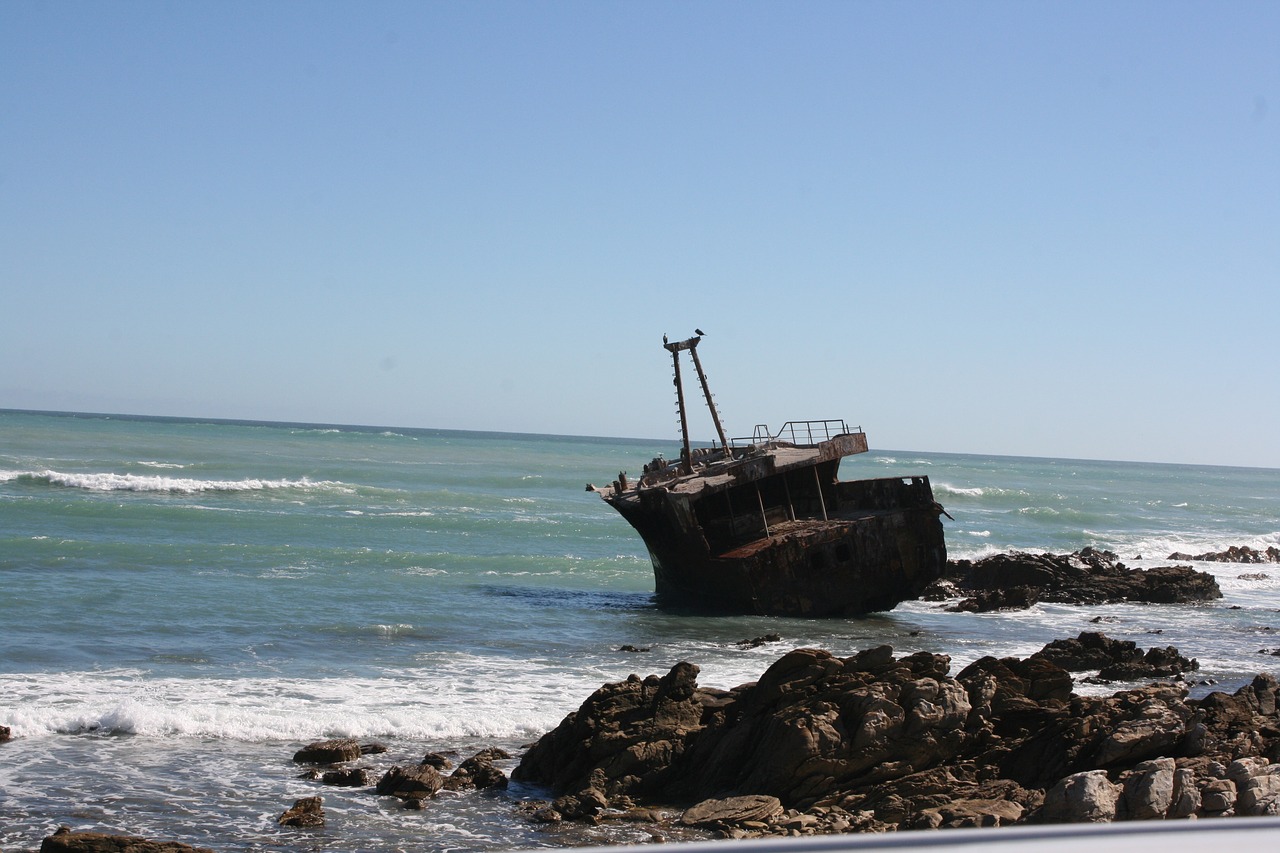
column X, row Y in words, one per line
column 112, row 482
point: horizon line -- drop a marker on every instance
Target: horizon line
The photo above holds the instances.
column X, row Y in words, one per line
column 562, row 436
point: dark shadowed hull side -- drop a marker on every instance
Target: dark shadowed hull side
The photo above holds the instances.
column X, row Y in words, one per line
column 883, row 546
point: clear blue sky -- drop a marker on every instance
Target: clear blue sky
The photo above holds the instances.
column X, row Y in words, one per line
column 1025, row 228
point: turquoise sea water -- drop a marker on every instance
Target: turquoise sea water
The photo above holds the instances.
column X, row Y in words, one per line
column 184, row 604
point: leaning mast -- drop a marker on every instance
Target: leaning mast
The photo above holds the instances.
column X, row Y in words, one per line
column 691, row 344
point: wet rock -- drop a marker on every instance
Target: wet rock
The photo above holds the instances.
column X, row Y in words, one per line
column 5, row 734
column 438, row 761
column 630, row 648
column 411, row 782
column 1116, row 660
column 304, row 812
column 66, row 841
column 478, row 772
column 759, row 641
column 349, row 777
column 1233, row 554
column 1088, row 576
column 989, row 600
column 329, row 751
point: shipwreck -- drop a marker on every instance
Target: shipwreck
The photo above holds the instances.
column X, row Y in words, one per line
column 764, row 524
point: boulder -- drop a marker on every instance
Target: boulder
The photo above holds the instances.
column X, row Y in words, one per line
column 1087, row 797
column 731, row 810
column 66, row 841
column 349, row 777
column 304, row 812
column 1149, row 789
column 630, row 731
column 411, row 782
column 1257, row 786
column 329, row 751
column 478, row 772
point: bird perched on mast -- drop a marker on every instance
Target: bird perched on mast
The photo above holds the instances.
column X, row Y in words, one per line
column 699, row 332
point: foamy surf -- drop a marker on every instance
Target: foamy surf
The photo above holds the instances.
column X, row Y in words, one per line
column 113, row 482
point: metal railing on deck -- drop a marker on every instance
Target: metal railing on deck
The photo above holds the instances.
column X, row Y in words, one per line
column 801, row 433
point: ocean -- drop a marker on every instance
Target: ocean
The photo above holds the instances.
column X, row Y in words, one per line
column 184, row 604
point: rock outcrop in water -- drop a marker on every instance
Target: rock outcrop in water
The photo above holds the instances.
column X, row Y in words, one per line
column 66, row 841
column 876, row 742
column 308, row 811
column 1017, row 580
column 1115, row 660
column 1234, row 554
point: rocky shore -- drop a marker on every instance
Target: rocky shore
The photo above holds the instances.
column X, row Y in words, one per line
column 876, row 742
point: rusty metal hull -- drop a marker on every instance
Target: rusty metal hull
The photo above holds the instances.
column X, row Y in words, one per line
column 763, row 525
column 879, row 543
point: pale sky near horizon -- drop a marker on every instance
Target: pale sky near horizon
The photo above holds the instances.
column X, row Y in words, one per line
column 1044, row 229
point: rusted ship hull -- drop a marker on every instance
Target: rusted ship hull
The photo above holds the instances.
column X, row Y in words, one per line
column 764, row 525
column 882, row 545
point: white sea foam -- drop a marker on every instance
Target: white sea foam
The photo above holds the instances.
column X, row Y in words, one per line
column 948, row 489
column 112, row 482
column 455, row 701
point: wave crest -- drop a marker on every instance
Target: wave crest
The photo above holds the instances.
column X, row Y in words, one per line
column 112, row 482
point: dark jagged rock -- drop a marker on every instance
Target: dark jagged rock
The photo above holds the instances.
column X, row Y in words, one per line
column 349, row 777
column 5, row 734
column 630, row 731
column 329, row 751
column 988, row 600
column 1089, row 576
column 304, row 812
column 757, row 642
column 478, row 772
column 66, row 841
column 874, row 742
column 1116, row 660
column 1234, row 554
column 438, row 761
column 411, row 782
